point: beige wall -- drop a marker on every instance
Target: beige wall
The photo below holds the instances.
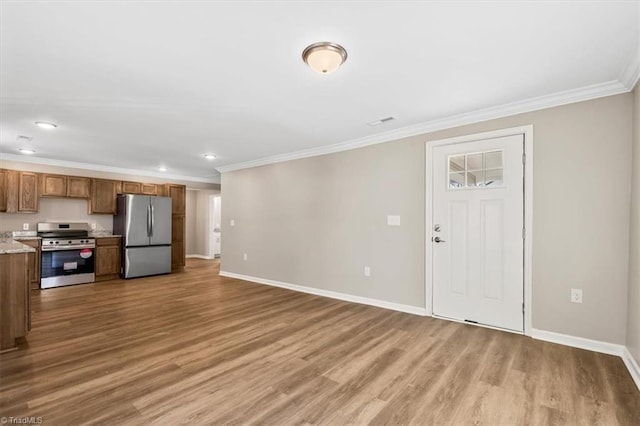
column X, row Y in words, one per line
column 190, row 221
column 633, row 318
column 56, row 210
column 318, row 221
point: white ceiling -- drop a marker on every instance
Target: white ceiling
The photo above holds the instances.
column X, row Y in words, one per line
column 136, row 85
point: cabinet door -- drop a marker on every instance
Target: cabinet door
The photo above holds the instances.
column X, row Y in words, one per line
column 178, row 195
column 131, row 188
column 53, row 185
column 28, row 192
column 177, row 241
column 3, row 190
column 78, row 187
column 149, row 189
column 107, row 260
column 103, row 197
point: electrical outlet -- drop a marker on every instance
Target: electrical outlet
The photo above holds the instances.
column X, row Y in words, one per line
column 244, row 256
column 93, row 226
column 367, row 271
column 232, row 222
column 25, row 226
column 576, row 295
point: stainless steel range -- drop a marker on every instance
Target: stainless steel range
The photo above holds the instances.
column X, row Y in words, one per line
column 68, row 254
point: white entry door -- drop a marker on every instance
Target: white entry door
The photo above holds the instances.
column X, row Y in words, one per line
column 477, row 231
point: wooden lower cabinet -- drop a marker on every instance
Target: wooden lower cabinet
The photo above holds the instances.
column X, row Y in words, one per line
column 15, row 309
column 177, row 242
column 107, row 258
column 34, row 259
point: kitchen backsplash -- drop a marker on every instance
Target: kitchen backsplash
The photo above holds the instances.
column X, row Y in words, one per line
column 56, row 210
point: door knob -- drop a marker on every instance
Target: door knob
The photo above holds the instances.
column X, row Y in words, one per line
column 438, row 240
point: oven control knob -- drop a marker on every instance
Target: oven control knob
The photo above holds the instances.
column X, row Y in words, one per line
column 50, row 242
column 57, row 242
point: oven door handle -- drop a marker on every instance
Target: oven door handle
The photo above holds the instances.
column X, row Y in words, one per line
column 66, row 248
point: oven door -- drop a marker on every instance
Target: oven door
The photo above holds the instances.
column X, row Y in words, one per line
column 66, row 267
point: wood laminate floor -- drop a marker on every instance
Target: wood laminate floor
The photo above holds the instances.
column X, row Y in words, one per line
column 200, row 349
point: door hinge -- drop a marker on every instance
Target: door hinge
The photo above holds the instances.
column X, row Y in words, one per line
column 523, row 308
column 524, row 233
column 524, row 158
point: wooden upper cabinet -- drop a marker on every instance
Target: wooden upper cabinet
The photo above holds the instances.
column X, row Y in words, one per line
column 64, row 186
column 131, row 187
column 3, row 190
column 53, row 185
column 27, row 192
column 103, row 196
column 149, row 188
column 178, row 194
column 78, row 187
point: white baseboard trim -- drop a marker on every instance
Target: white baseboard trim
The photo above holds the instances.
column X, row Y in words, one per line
column 578, row 342
column 198, row 256
column 416, row 310
column 632, row 366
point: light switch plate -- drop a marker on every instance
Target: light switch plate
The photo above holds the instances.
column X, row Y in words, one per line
column 232, row 222
column 393, row 220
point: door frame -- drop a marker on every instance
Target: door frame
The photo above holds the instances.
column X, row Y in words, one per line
column 527, row 132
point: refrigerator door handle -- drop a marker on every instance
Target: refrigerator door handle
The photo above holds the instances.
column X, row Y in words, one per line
column 149, row 221
column 153, row 213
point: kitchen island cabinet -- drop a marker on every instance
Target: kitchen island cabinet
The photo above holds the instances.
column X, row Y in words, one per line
column 15, row 309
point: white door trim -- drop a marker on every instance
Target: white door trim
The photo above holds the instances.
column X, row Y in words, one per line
column 527, row 131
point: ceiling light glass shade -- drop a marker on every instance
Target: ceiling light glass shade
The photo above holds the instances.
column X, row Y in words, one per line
column 162, row 169
column 46, row 125
column 209, row 156
column 324, row 57
column 27, row 151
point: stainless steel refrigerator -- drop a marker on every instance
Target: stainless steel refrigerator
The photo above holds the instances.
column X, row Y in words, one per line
column 145, row 225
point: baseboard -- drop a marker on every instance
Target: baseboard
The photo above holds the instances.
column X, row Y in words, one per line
column 331, row 294
column 198, row 256
column 578, row 342
column 632, row 366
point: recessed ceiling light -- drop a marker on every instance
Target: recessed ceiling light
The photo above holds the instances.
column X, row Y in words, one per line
column 209, row 156
column 162, row 169
column 27, row 151
column 324, row 57
column 44, row 125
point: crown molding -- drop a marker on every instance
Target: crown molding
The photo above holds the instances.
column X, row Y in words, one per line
column 585, row 93
column 631, row 73
column 102, row 168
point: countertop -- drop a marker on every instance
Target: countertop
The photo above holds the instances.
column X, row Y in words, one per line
column 104, row 236
column 26, row 238
column 12, row 246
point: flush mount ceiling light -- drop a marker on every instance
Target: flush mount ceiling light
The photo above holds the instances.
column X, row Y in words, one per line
column 44, row 125
column 209, row 156
column 162, row 169
column 324, row 57
column 27, row 151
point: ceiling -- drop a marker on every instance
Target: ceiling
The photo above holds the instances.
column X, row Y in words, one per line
column 136, row 85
